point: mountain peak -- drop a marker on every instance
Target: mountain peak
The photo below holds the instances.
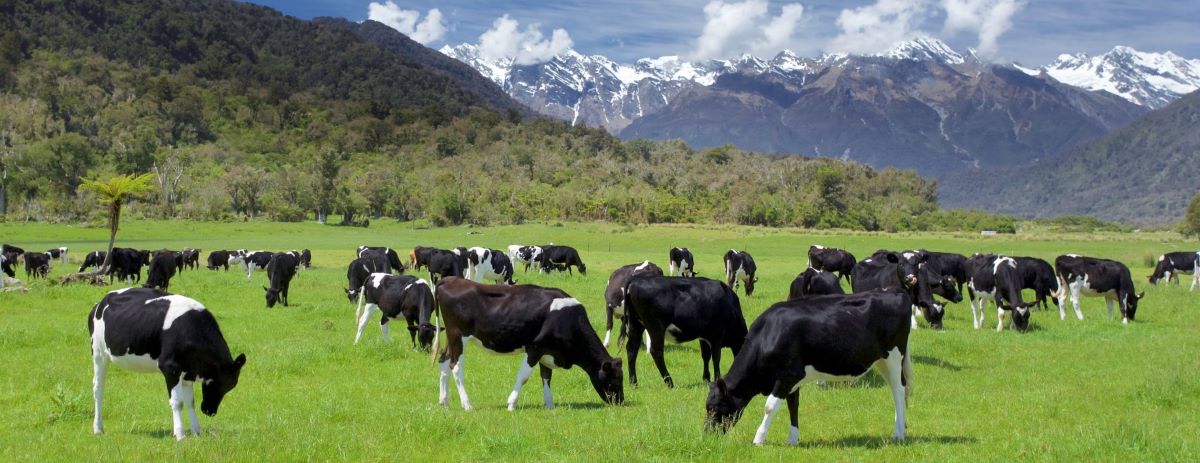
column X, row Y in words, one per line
column 924, row 48
column 1144, row 78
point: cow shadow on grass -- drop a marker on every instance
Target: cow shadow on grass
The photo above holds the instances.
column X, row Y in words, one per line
column 936, row 362
column 880, row 441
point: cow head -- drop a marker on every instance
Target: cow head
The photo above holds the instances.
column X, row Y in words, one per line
column 907, row 267
column 1131, row 302
column 352, row 294
column 1020, row 315
column 226, row 378
column 947, row 287
column 723, row 409
column 609, row 381
column 272, row 296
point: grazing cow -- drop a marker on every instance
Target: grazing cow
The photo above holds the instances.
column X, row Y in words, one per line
column 162, row 269
column 739, row 267
column 1096, row 277
column 360, row 269
column 419, row 257
column 528, row 255
column 1038, row 275
column 223, row 259
column 10, row 250
column 489, row 264
column 37, row 264
column 946, row 264
column 820, row 338
column 443, row 263
column 549, row 325
column 685, row 309
column 614, row 296
column 6, row 267
column 681, row 258
column 392, row 256
column 1171, row 264
column 560, row 258
column 1002, row 282
column 93, row 259
column 813, row 282
column 280, row 270
column 890, row 270
column 398, row 296
column 191, row 258
column 127, row 263
column 306, row 258
column 834, row 260
column 146, row 330
column 59, row 253
column 256, row 259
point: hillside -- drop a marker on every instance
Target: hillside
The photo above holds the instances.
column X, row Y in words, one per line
column 1143, row 174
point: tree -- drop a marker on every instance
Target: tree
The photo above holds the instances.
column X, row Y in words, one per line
column 169, row 172
column 1191, row 220
column 114, row 193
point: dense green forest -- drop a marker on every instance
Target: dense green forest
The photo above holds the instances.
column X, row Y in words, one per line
column 243, row 113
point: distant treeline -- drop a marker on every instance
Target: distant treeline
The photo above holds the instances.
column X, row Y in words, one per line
column 275, row 117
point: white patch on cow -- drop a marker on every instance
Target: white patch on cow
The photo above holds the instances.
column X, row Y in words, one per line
column 867, row 260
column 769, row 410
column 908, row 254
column 1003, row 260
column 607, row 336
column 143, row 363
column 563, row 302
column 377, row 279
column 523, row 373
column 179, row 305
column 643, row 266
column 818, row 246
column 119, row 291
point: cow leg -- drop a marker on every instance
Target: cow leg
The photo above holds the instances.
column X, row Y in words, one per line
column 1124, row 315
column 893, row 367
column 459, row 376
column 793, row 403
column 1195, row 279
column 974, row 314
column 608, row 324
column 915, row 309
column 999, row 318
column 774, row 401
column 705, row 355
column 1109, row 303
column 444, row 381
column 99, row 375
column 547, row 372
column 632, row 346
column 523, row 374
column 716, row 356
column 362, row 321
column 656, row 352
column 623, row 333
column 383, row 328
column 179, row 395
column 1075, row 300
column 358, row 306
column 190, row 403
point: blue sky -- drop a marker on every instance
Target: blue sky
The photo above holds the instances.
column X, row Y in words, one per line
column 625, row 30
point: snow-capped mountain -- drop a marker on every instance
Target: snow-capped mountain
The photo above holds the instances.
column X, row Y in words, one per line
column 1149, row 79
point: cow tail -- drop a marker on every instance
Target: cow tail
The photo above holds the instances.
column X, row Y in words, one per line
column 359, row 305
column 906, row 372
column 437, row 330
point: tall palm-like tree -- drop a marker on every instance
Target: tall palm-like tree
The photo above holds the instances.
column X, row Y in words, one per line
column 114, row 193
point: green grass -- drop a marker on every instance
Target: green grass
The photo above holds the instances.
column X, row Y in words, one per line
column 1068, row 390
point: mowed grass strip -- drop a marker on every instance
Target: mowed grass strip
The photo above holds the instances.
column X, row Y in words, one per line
column 1068, row 390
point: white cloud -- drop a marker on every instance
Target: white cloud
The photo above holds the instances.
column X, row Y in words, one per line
column 875, row 28
column 506, row 40
column 731, row 28
column 409, row 22
column 989, row 18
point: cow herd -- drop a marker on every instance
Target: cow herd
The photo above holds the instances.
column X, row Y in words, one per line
column 820, row 333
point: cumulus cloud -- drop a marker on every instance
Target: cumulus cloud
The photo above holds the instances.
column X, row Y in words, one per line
column 506, row 40
column 731, row 28
column 875, row 28
column 428, row 30
column 989, row 18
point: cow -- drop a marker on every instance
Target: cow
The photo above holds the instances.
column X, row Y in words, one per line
column 819, row 338
column 559, row 258
column 223, row 259
column 392, row 256
column 547, row 324
column 686, row 309
column 614, row 296
column 127, row 263
column 306, row 258
column 144, row 330
column 93, row 259
column 443, row 263
column 1038, row 275
column 280, row 270
column 59, row 253
column 256, row 259
column 1002, row 282
column 395, row 297
column 681, row 258
column 814, row 282
column 37, row 264
column 833, row 260
column 1095, row 277
column 1171, row 264
column 890, row 270
column 528, row 255
column 513, row 252
column 946, row 264
column 739, row 267
column 6, row 268
column 419, row 257
column 191, row 258
column 489, row 264
column 162, row 269
column 360, row 269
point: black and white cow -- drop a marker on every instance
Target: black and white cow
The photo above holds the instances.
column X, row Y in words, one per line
column 1171, row 264
column 447, row 263
column 191, row 258
column 527, row 255
column 306, row 258
column 256, row 259
column 395, row 297
column 820, row 338
column 6, row 268
column 614, row 296
column 814, row 282
column 37, row 264
column 360, row 270
column 147, row 330
column 740, row 268
column 1002, row 282
column 946, row 264
column 59, row 253
column 93, row 259
column 392, row 256
column 549, row 326
column 834, row 260
column 280, row 270
column 890, row 270
column 681, row 259
column 1096, row 277
column 685, row 309
column 162, row 269
column 489, row 264
column 559, row 258
column 1038, row 275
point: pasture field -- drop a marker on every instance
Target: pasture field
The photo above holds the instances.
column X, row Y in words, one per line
column 1066, row 391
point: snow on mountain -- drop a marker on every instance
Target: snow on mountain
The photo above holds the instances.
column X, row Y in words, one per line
column 925, row 48
column 1144, row 78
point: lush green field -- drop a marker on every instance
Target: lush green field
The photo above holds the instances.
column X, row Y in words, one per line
column 1067, row 390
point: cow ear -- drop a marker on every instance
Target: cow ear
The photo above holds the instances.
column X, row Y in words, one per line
column 892, row 257
column 240, row 361
column 1141, row 295
column 265, row 289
